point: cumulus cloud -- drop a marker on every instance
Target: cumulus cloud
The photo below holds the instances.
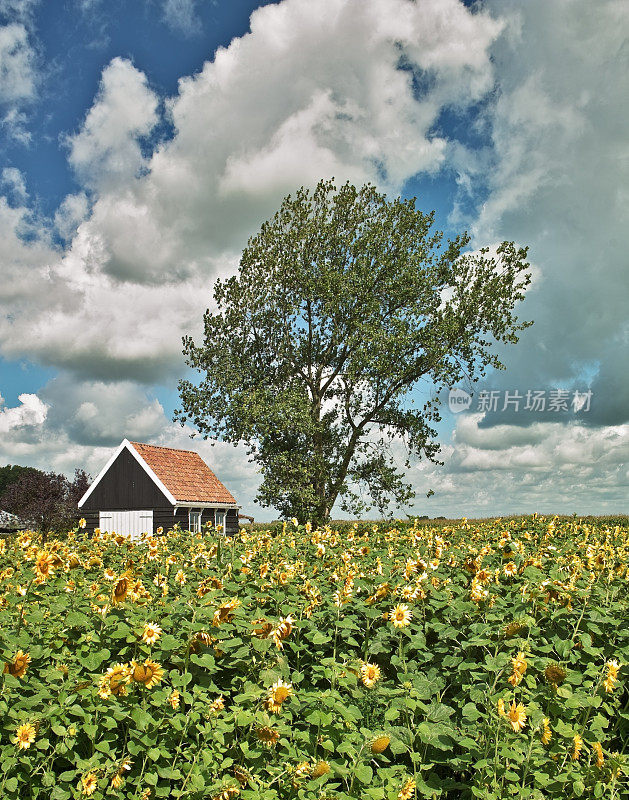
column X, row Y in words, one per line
column 547, row 467
column 354, row 89
column 313, row 88
column 31, row 412
column 558, row 170
column 72, row 211
column 105, row 152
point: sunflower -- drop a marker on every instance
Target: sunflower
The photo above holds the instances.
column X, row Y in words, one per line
column 478, row 594
column 546, row 731
column 24, row 736
column 241, row 775
column 114, row 681
column 519, row 663
column 519, row 668
column 151, row 633
column 173, row 699
column 369, row 674
column 517, row 716
column 408, row 790
column 227, row 794
column 513, row 628
column 217, row 705
column 118, row 778
column 120, row 591
column 88, row 784
column 576, row 747
column 19, row 665
column 611, row 679
column 320, row 768
column 267, row 736
column 224, row 613
column 555, row 675
column 483, row 576
column 608, row 684
column 278, row 693
column 302, row 771
column 265, row 629
column 282, row 631
column 600, row 760
column 613, row 667
column 44, row 565
column 150, row 673
column 400, row 616
column 380, row 744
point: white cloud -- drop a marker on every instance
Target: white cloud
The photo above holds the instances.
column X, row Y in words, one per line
column 21, row 10
column 13, row 180
column 16, row 68
column 548, row 467
column 18, row 78
column 559, row 166
column 31, row 412
column 105, row 152
column 181, row 16
column 312, row 88
column 316, row 90
column 72, row 211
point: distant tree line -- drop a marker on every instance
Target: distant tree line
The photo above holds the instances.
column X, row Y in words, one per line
column 46, row 500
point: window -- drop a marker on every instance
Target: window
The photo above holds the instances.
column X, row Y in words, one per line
column 194, row 521
column 221, row 518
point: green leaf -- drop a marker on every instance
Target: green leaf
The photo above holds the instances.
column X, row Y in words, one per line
column 364, row 773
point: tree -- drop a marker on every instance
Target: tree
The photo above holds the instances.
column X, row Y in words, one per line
column 343, row 302
column 45, row 499
column 10, row 474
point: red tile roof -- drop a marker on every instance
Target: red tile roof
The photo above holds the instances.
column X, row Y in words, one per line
column 184, row 473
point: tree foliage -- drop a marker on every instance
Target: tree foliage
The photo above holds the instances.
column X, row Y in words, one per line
column 46, row 500
column 344, row 301
column 11, row 473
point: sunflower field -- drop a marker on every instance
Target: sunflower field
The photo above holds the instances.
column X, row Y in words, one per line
column 387, row 662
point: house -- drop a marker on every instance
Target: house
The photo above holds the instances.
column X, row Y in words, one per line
column 9, row 523
column 144, row 487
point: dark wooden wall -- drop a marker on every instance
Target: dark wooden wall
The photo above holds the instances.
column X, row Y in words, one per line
column 163, row 517
column 125, row 487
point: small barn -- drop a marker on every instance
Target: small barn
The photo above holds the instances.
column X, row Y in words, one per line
column 144, row 487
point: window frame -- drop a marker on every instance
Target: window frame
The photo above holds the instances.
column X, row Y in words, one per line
column 197, row 514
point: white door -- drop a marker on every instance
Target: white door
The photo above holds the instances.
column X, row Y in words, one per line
column 127, row 523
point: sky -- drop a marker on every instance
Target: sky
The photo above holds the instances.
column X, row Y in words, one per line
column 142, row 143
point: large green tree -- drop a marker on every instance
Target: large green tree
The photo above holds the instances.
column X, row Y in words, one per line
column 344, row 302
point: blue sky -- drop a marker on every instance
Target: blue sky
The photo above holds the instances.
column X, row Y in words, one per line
column 142, row 143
